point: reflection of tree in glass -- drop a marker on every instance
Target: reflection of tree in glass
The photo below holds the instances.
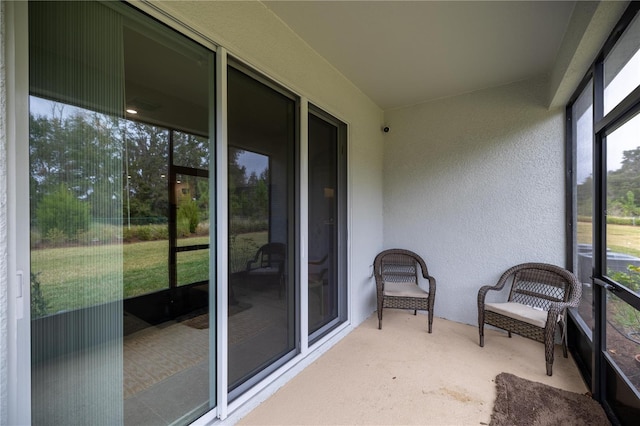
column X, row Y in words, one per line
column 61, row 216
column 148, row 155
column 80, row 150
column 248, row 193
column 190, row 150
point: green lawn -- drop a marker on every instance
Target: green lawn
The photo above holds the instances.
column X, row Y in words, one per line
column 75, row 277
column 620, row 238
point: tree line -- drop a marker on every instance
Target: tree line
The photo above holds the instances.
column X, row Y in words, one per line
column 623, row 189
column 87, row 167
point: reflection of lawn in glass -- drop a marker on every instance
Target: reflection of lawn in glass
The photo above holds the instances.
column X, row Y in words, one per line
column 75, row 277
column 193, row 266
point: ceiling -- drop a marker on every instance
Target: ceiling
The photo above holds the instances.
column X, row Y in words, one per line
column 401, row 53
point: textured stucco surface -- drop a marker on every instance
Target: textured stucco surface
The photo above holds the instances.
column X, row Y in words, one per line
column 4, row 374
column 475, row 184
column 251, row 32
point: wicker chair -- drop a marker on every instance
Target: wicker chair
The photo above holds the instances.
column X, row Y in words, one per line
column 538, row 300
column 267, row 266
column 396, row 273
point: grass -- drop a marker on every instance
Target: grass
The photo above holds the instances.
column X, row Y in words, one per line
column 620, row 238
column 75, row 277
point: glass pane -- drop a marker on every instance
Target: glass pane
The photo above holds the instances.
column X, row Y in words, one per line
column 623, row 187
column 113, row 342
column 146, row 187
column 192, row 200
column 622, row 67
column 145, row 209
column 167, row 338
column 261, row 223
column 76, row 175
column 623, row 337
column 323, row 215
column 193, row 267
column 190, row 151
column 582, row 119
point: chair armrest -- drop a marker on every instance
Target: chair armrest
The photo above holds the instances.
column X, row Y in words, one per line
column 432, row 286
column 573, row 302
column 482, row 293
column 557, row 308
column 319, row 262
column 379, row 283
column 249, row 263
column 426, row 276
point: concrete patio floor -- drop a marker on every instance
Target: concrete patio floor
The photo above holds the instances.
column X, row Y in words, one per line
column 403, row 375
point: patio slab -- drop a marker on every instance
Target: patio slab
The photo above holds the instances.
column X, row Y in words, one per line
column 403, row 375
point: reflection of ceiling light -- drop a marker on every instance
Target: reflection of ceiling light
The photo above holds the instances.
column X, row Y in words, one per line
column 129, row 177
column 162, row 176
column 178, row 181
column 131, row 111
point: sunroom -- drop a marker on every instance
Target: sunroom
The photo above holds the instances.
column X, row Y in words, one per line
column 196, row 190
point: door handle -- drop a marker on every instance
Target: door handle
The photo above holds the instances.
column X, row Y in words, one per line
column 606, row 285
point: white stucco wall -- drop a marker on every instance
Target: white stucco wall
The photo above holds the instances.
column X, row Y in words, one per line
column 250, row 31
column 475, row 184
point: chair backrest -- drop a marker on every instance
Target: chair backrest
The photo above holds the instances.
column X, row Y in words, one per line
column 539, row 284
column 271, row 255
column 399, row 266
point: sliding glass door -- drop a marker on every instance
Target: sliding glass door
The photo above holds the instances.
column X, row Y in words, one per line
column 327, row 218
column 262, row 325
column 119, row 195
column 125, row 315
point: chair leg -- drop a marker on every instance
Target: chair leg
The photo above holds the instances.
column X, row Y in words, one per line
column 415, row 312
column 548, row 352
column 481, row 333
column 430, row 320
column 564, row 341
column 564, row 346
column 379, row 318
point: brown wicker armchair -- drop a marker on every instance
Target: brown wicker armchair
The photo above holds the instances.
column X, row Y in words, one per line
column 538, row 300
column 396, row 273
column 268, row 266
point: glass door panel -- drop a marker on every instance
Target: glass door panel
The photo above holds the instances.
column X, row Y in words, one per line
column 110, row 344
column 326, row 202
column 261, row 178
column 193, row 267
column 76, row 148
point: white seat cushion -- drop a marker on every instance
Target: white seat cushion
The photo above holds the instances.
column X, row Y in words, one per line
column 404, row 290
column 524, row 313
